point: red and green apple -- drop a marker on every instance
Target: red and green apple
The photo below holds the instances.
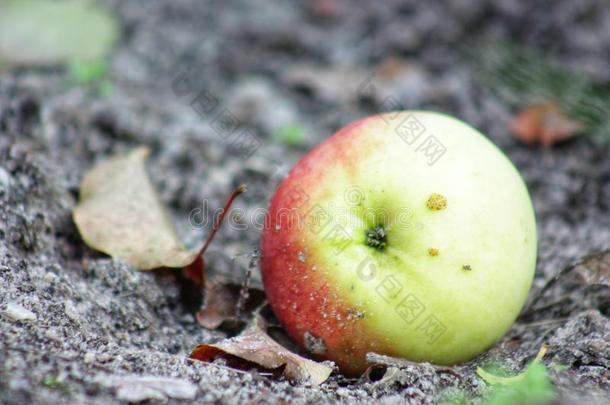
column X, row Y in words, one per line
column 408, row 234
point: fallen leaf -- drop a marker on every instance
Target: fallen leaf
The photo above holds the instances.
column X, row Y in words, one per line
column 594, row 270
column 324, row 8
column 222, row 300
column 39, row 32
column 195, row 272
column 543, row 123
column 255, row 346
column 219, row 304
column 120, row 214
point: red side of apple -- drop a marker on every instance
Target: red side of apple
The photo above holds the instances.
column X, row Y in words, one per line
column 313, row 314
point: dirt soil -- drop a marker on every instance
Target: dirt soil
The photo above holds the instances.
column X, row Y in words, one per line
column 93, row 330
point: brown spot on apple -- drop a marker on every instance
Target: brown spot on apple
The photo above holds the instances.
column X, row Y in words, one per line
column 433, row 252
column 354, row 314
column 466, row 267
column 436, row 202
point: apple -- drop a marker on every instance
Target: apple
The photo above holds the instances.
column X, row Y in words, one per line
column 407, row 234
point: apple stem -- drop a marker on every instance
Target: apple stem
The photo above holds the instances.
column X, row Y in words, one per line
column 219, row 219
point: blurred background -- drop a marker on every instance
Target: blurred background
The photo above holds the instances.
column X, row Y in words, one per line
column 231, row 92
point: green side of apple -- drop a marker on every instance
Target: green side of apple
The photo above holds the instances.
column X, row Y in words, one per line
column 449, row 283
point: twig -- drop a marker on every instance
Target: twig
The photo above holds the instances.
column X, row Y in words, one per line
column 244, row 293
column 239, row 190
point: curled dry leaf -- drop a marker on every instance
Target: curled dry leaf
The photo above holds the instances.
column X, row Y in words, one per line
column 255, row 346
column 120, row 214
column 544, row 123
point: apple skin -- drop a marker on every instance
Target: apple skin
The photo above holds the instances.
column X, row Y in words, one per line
column 459, row 234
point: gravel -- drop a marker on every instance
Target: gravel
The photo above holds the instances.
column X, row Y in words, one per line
column 78, row 327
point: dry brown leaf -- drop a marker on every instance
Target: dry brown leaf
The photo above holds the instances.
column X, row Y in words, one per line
column 255, row 346
column 543, row 123
column 595, row 269
column 222, row 300
column 219, row 305
column 120, row 214
column 195, row 272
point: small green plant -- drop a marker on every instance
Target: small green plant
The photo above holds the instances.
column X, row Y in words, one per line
column 532, row 386
column 54, row 383
column 87, row 72
column 90, row 74
column 291, row 135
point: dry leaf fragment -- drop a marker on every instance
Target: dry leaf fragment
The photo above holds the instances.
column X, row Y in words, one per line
column 543, row 123
column 120, row 214
column 226, row 301
column 195, row 272
column 595, row 269
column 592, row 270
column 221, row 303
column 255, row 346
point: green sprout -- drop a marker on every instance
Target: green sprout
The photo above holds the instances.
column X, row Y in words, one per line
column 291, row 135
column 90, row 74
column 54, row 383
column 532, row 386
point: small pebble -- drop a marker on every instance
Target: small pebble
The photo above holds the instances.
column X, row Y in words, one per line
column 71, row 311
column 18, row 313
column 141, row 388
column 89, row 358
column 5, row 179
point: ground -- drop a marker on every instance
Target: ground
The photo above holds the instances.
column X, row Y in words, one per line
column 90, row 327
